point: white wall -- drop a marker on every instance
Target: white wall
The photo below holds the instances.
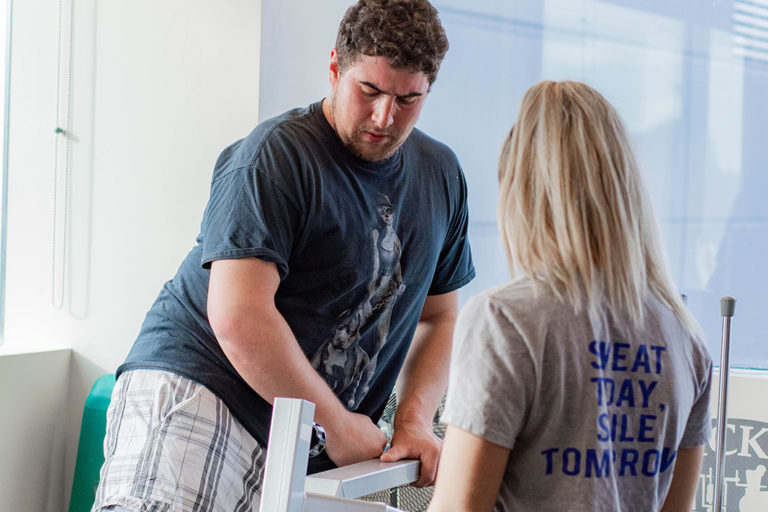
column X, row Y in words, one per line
column 158, row 89
column 33, row 394
column 298, row 38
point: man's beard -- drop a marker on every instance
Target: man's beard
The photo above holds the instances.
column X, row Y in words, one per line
column 356, row 145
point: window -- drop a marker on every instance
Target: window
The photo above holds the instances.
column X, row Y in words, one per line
column 689, row 79
column 5, row 73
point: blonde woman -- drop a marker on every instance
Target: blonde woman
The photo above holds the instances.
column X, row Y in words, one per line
column 583, row 384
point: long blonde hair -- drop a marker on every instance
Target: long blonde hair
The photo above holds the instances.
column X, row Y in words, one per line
column 573, row 212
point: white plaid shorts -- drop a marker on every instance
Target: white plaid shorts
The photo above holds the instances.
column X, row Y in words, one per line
column 172, row 445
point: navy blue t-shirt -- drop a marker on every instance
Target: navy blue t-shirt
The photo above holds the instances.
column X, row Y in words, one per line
column 358, row 245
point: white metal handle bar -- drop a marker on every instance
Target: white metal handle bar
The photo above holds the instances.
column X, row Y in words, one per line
column 363, row 478
column 286, row 487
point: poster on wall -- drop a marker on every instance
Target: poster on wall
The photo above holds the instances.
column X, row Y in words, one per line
column 745, row 478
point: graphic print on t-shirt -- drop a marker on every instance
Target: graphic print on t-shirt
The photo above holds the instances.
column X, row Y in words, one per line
column 347, row 366
column 629, row 417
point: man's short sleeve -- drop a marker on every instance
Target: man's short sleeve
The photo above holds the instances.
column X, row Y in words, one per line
column 454, row 266
column 248, row 215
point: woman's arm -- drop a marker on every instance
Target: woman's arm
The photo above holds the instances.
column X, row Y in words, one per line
column 685, row 478
column 470, row 473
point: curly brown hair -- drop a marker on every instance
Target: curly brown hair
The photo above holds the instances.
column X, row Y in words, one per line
column 408, row 33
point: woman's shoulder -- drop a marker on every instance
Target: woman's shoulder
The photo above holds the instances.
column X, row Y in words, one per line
column 520, row 295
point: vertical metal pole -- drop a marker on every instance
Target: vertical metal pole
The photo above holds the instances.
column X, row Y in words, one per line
column 727, row 307
column 285, row 469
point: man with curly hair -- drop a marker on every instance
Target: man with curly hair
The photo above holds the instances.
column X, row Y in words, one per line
column 327, row 268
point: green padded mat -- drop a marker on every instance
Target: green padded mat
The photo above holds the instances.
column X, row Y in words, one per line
column 90, row 450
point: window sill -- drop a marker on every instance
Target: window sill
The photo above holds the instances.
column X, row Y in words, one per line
column 24, row 349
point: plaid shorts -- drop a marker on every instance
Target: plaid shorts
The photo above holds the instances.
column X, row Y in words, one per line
column 172, row 445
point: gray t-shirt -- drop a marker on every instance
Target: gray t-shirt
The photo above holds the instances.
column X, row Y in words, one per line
column 593, row 412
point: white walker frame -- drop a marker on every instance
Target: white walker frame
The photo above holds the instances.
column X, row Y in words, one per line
column 287, row 488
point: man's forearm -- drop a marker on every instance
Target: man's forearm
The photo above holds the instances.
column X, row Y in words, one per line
column 424, row 377
column 261, row 346
column 421, row 385
column 270, row 360
column 267, row 356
